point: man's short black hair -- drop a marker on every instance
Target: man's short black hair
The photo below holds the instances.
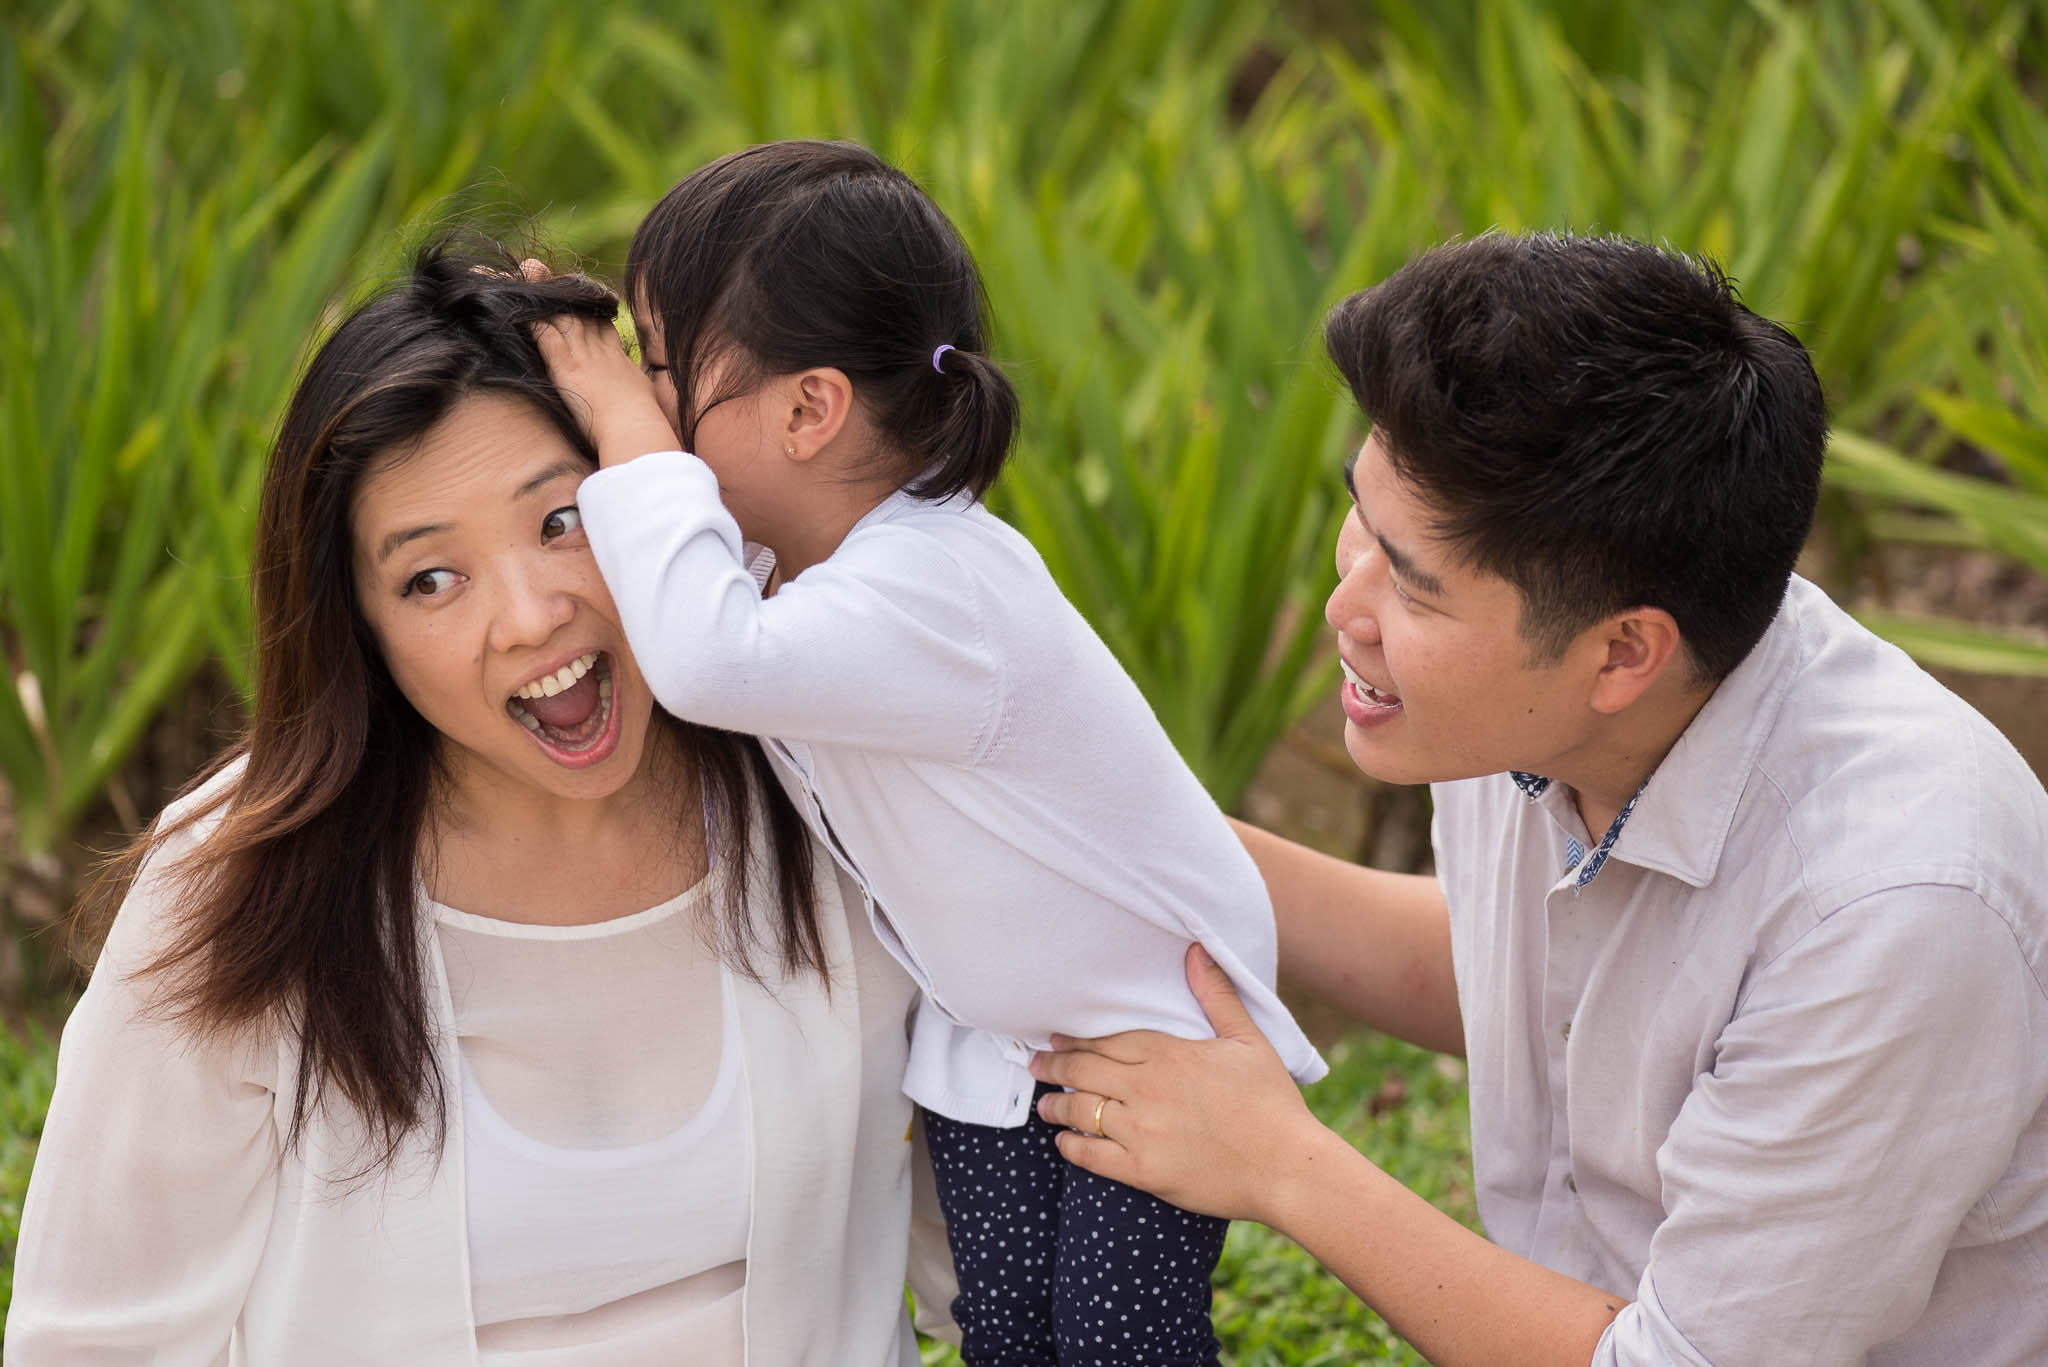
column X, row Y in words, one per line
column 1601, row 423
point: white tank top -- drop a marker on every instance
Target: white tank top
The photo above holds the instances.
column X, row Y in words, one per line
column 606, row 1138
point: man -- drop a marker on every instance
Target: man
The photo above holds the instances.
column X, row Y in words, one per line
column 1740, row 919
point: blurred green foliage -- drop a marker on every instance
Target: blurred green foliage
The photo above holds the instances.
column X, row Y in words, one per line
column 28, row 1070
column 1165, row 197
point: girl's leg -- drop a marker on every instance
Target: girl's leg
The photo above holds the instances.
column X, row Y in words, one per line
column 1132, row 1287
column 1000, row 1191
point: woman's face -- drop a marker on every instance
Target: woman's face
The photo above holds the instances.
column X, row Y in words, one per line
column 474, row 575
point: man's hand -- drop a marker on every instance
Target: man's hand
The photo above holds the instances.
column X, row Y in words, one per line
column 1209, row 1125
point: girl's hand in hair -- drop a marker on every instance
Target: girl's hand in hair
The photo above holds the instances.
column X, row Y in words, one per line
column 610, row 396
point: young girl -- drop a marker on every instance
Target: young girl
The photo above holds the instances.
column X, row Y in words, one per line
column 1032, row 848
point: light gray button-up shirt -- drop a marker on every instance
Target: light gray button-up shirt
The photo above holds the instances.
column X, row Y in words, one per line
column 1773, row 1060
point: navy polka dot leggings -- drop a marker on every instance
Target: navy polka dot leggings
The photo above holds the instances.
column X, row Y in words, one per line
column 1063, row 1268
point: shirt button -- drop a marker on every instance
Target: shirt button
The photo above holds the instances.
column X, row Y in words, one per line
column 1567, row 1030
column 1571, row 1184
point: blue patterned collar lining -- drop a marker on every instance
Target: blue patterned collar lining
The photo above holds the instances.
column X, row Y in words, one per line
column 1534, row 787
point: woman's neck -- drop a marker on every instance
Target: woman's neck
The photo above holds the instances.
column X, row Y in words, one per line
column 515, row 853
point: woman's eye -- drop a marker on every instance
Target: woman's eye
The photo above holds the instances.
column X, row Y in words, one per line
column 430, row 583
column 1402, row 593
column 561, row 522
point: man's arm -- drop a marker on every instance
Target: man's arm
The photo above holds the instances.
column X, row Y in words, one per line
column 1374, row 945
column 1217, row 1126
column 1458, row 1298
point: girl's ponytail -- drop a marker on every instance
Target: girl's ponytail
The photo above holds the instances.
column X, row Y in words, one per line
column 972, row 428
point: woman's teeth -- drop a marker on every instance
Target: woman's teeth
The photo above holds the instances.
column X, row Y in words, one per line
column 559, row 710
column 550, row 684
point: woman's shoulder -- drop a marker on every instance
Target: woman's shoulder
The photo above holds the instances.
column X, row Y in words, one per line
column 132, row 1004
column 148, row 919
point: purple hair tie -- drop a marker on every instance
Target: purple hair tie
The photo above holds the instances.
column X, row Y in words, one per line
column 940, row 350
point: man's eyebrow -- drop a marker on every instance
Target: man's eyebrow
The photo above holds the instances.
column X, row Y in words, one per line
column 1417, row 577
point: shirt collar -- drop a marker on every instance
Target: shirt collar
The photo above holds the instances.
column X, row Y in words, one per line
column 1679, row 819
column 903, row 503
column 1577, row 860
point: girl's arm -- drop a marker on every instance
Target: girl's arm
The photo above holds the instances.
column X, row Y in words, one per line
column 154, row 1179
column 881, row 645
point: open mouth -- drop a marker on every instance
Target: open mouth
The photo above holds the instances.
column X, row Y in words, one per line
column 569, row 712
column 1365, row 693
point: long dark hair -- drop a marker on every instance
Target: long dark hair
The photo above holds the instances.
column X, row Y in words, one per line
column 797, row 254
column 300, row 903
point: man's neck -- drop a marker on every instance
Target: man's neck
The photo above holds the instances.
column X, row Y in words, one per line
column 1610, row 771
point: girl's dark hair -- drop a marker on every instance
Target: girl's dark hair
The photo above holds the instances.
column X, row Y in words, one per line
column 799, row 254
column 1601, row 423
column 300, row 905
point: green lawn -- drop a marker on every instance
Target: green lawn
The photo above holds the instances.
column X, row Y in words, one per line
column 1406, row 1109
column 1274, row 1306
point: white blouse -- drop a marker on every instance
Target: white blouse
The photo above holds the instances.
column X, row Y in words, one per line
column 605, row 1137
column 167, row 1222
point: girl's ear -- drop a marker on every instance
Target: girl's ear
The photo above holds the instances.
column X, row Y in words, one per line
column 819, row 403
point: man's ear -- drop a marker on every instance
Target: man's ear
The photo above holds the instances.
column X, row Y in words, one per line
column 819, row 402
column 1642, row 645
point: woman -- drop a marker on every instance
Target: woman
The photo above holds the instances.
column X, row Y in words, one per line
column 471, row 1008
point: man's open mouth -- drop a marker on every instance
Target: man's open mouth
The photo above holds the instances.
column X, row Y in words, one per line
column 1365, row 692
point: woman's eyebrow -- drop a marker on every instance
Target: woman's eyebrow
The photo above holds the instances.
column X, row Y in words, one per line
column 540, row 481
column 565, row 466
column 406, row 534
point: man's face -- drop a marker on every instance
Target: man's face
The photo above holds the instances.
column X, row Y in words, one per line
column 1438, row 679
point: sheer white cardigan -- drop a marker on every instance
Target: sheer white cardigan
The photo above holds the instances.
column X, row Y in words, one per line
column 166, row 1225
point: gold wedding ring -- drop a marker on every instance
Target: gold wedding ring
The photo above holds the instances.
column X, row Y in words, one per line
column 1098, row 1118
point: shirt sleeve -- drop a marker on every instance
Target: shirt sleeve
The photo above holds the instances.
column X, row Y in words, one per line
column 879, row 646
column 154, row 1180
column 1862, row 1100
